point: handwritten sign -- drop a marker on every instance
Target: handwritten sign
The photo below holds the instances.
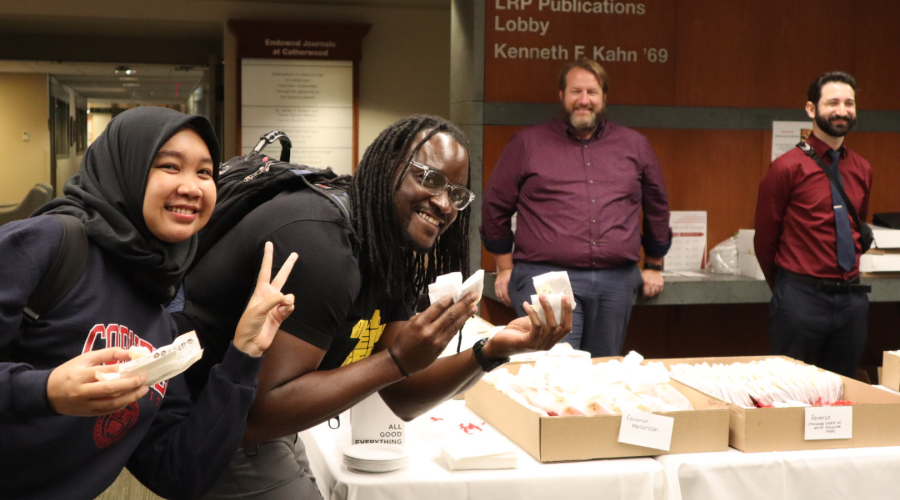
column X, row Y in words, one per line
column 828, row 422
column 646, row 429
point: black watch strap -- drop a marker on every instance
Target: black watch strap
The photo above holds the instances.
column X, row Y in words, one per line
column 653, row 267
column 486, row 364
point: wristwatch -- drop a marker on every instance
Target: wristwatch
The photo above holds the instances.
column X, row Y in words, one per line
column 486, row 364
column 653, row 267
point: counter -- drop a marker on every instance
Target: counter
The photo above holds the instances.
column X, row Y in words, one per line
column 729, row 289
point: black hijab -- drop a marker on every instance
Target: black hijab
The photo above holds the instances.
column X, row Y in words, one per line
column 107, row 194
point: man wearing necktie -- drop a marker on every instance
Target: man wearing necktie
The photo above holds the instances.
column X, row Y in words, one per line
column 808, row 245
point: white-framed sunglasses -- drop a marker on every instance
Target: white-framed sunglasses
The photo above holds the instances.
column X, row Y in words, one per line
column 436, row 182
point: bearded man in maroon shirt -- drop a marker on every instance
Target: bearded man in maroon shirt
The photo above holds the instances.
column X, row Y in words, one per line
column 808, row 244
column 580, row 184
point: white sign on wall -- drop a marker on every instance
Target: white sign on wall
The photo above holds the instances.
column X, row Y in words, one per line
column 786, row 135
column 688, row 250
column 310, row 101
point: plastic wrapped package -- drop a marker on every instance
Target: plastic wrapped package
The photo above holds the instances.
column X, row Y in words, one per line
column 723, row 258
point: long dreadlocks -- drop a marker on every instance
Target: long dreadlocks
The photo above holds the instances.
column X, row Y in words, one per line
column 384, row 249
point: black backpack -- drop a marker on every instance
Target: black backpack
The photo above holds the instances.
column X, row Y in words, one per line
column 244, row 183
column 247, row 181
column 66, row 268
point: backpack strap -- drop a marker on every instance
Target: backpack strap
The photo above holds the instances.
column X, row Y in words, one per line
column 65, row 270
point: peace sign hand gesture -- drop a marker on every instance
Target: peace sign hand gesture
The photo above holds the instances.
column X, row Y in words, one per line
column 267, row 308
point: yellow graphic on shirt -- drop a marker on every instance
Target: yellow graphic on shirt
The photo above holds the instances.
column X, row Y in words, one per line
column 368, row 333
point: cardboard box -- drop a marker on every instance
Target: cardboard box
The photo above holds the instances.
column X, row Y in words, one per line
column 885, row 237
column 890, row 371
column 870, row 262
column 875, row 417
column 750, row 266
column 745, row 241
column 747, row 255
column 557, row 439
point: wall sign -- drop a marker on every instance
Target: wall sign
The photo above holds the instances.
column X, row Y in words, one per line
column 301, row 79
column 310, row 101
column 633, row 40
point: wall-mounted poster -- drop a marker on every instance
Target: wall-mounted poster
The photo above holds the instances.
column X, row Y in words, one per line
column 786, row 135
column 309, row 100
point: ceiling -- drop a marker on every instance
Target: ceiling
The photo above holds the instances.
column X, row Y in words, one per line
column 99, row 82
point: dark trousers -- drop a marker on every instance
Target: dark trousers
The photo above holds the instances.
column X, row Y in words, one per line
column 818, row 327
column 274, row 470
column 604, row 298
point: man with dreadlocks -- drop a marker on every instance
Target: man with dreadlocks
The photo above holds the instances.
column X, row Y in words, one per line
column 351, row 333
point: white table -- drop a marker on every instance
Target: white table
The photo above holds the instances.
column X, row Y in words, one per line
column 846, row 474
column 428, row 479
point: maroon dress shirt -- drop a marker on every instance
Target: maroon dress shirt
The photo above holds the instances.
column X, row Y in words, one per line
column 795, row 215
column 579, row 203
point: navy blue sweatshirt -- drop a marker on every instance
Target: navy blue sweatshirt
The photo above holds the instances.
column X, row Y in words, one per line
column 175, row 448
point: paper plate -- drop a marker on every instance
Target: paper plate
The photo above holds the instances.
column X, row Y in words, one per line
column 375, row 452
column 374, row 457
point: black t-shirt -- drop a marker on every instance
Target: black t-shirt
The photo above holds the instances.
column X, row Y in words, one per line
column 331, row 295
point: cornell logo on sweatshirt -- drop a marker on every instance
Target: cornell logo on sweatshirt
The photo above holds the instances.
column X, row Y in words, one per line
column 110, row 429
column 103, row 336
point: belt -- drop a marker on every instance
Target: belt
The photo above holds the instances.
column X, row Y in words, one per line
column 830, row 285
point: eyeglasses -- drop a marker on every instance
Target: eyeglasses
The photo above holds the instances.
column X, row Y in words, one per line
column 435, row 181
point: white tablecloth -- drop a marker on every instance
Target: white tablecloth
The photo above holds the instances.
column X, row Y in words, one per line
column 847, row 474
column 428, row 479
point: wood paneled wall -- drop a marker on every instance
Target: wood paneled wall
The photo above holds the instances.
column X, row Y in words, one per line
column 719, row 171
column 735, row 53
column 731, row 54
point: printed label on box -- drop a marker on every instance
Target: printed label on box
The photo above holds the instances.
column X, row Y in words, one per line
column 829, row 422
column 646, row 429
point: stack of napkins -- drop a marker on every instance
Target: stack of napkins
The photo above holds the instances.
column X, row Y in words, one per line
column 163, row 363
column 466, row 441
column 452, row 284
column 555, row 285
column 482, row 450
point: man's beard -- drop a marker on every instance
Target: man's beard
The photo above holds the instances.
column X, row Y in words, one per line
column 588, row 123
column 404, row 239
column 832, row 129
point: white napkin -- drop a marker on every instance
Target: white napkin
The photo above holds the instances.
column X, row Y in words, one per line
column 554, row 282
column 443, row 286
column 453, row 285
column 478, row 452
column 555, row 285
column 555, row 300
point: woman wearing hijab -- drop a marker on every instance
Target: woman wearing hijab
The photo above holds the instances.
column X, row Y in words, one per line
column 145, row 188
